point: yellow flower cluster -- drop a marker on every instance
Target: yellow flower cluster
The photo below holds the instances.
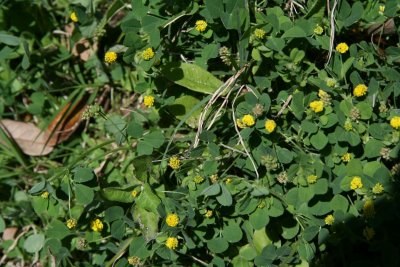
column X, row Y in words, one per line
column 318, row 30
column 317, row 106
column 73, row 17
column 395, row 122
column 270, row 125
column 360, row 90
column 134, row 193
column 148, row 53
column 356, row 183
column 208, row 214
column 369, row 209
column 329, row 220
column 342, row 48
column 172, row 220
column 174, row 162
column 378, row 189
column 381, row 10
column 171, row 243
column 201, row 25
column 71, row 223
column 110, row 57
column 312, row 179
column 368, row 233
column 96, row 225
column 134, row 260
column 198, row 179
column 148, row 101
column 330, row 82
column 228, row 181
column 246, row 121
column 259, row 33
column 348, row 126
column 346, row 157
column 45, row 195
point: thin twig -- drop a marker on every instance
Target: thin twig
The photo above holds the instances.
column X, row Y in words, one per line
column 332, row 34
column 284, row 106
column 218, row 93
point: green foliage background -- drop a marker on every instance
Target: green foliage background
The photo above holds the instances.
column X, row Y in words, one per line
column 265, row 209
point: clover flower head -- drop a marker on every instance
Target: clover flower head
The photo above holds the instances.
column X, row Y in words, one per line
column 248, row 120
column 312, row 179
column 171, row 243
column 329, row 219
column 148, row 53
column 317, row 106
column 368, row 233
column 369, row 209
column 360, row 90
column 356, row 183
column 73, row 17
column 174, row 162
column 198, row 179
column 395, row 122
column 172, row 220
column 378, row 189
column 346, row 157
column 201, row 25
column 148, row 101
column 342, row 48
column 97, row 225
column 208, row 214
column 259, row 33
column 318, row 30
column 110, row 57
column 71, row 223
column 45, row 195
column 270, row 125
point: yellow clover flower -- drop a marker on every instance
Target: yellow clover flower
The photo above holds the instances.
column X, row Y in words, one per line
column 45, row 195
column 395, row 122
column 342, row 48
column 248, row 120
column 110, row 57
column 356, row 183
column 330, row 82
column 368, row 233
column 171, row 243
column 381, row 9
column 198, row 179
column 270, row 125
column 172, row 220
column 71, row 223
column 228, row 181
column 208, row 214
column 134, row 193
column 369, row 209
column 346, row 157
column 312, row 179
column 73, row 17
column 259, row 33
column 378, row 189
column 201, row 25
column 360, row 90
column 317, row 106
column 148, row 53
column 329, row 220
column 318, row 30
column 148, row 101
column 96, row 225
column 174, row 162
column 133, row 260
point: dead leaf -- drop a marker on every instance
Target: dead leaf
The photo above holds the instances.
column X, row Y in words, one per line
column 9, row 233
column 29, row 138
column 65, row 123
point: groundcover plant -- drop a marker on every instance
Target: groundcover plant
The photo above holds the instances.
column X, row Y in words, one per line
column 199, row 133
